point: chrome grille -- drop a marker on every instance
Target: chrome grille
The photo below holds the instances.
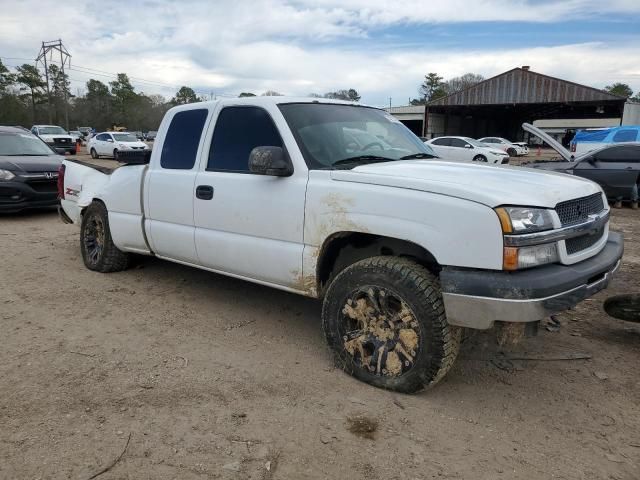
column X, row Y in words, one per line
column 579, row 209
column 577, row 244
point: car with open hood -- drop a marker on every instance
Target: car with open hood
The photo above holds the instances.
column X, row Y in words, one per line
column 615, row 167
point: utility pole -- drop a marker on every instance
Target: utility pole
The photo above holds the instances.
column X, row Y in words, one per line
column 389, row 104
column 48, row 48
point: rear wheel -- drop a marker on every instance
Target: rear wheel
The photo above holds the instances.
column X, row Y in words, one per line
column 99, row 253
column 115, row 154
column 94, row 154
column 384, row 319
column 479, row 158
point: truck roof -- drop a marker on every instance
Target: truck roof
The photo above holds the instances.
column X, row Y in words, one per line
column 263, row 101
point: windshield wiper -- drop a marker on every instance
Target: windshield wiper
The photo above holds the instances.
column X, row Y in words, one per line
column 362, row 159
column 418, row 155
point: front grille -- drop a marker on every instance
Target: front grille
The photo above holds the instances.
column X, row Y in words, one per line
column 62, row 141
column 578, row 210
column 44, row 187
column 577, row 244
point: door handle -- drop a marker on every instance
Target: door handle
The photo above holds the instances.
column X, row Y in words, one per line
column 204, row 192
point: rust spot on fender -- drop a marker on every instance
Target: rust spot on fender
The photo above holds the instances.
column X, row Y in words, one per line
column 336, row 219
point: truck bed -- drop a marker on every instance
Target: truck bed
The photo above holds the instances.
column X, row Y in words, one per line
column 103, row 166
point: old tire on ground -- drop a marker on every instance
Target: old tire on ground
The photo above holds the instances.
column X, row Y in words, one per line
column 98, row 250
column 384, row 319
column 479, row 158
column 94, row 154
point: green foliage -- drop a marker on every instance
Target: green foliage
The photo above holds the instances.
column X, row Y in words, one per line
column 431, row 88
column 185, row 95
column 621, row 89
column 6, row 79
column 350, row 95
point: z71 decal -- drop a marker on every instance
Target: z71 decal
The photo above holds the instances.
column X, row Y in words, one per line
column 72, row 192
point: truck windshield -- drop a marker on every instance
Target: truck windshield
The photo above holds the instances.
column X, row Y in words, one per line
column 23, row 144
column 335, row 136
column 52, row 131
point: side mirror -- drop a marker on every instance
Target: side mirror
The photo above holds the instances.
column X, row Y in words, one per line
column 270, row 161
column 592, row 161
column 110, row 140
column 466, row 145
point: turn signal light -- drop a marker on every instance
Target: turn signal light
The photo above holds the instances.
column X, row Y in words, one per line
column 510, row 258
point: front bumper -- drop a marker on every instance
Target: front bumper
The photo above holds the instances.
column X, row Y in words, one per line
column 478, row 298
column 17, row 195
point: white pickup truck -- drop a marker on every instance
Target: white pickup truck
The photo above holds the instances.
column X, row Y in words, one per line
column 405, row 250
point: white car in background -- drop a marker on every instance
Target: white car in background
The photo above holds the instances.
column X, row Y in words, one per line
column 512, row 148
column 466, row 149
column 108, row 144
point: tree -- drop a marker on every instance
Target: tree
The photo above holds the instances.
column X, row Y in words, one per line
column 350, row 95
column 60, row 92
column 185, row 95
column 271, row 93
column 621, row 89
column 432, row 87
column 6, row 79
column 30, row 78
column 124, row 97
column 462, row 82
column 246, row 94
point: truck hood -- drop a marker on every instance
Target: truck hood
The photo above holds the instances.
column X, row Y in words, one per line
column 491, row 185
column 28, row 164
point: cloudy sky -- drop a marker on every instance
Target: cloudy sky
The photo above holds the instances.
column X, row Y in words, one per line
column 382, row 48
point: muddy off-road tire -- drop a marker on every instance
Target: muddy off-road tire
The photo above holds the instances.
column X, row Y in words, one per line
column 98, row 250
column 384, row 319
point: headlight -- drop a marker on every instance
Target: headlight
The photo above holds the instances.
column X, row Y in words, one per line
column 524, row 220
column 6, row 175
column 516, row 258
column 49, row 140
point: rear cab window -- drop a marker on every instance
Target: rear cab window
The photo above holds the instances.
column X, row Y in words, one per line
column 180, row 145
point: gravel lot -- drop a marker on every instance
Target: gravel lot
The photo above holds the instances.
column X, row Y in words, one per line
column 210, row 377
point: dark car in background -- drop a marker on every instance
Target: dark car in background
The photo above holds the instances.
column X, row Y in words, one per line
column 28, row 171
column 615, row 167
column 150, row 135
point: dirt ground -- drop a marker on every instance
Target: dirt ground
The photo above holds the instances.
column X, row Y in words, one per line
column 210, row 377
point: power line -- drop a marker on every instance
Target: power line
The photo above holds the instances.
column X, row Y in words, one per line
column 136, row 80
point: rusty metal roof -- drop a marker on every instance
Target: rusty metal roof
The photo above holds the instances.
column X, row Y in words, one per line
column 524, row 86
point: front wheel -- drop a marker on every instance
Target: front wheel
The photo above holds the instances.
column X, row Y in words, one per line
column 384, row 319
column 94, row 154
column 479, row 158
column 512, row 152
column 99, row 253
column 115, row 154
